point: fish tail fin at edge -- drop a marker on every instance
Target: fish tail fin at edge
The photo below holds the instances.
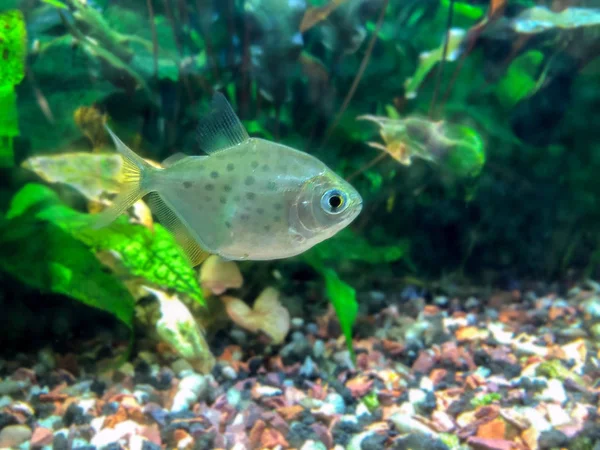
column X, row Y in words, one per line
column 134, row 172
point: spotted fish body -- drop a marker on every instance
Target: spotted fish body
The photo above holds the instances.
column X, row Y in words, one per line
column 248, row 199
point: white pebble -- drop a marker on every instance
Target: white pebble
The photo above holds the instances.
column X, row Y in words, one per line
column 229, row 372
column 297, row 322
column 554, row 392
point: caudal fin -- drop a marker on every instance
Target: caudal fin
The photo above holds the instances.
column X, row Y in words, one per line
column 134, row 172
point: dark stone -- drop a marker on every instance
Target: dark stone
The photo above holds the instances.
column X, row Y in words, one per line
column 60, row 442
column 110, row 408
column 306, row 418
column 205, row 442
column 342, row 390
column 373, row 442
column 7, row 419
column 591, row 430
column 254, row 364
column 98, row 387
column 74, row 415
column 415, row 441
column 428, row 404
column 149, row 445
column 458, row 406
column 299, row 433
column 159, row 415
column 342, row 432
column 552, row 439
column 44, row 410
column 112, row 446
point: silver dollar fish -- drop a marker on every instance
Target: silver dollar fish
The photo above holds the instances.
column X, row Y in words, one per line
column 249, row 198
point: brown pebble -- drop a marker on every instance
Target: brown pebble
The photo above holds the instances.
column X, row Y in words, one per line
column 14, row 435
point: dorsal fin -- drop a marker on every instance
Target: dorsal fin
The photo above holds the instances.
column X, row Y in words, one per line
column 221, row 128
column 174, row 158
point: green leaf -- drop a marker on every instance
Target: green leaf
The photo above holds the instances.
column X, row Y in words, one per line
column 153, row 256
column 56, row 3
column 348, row 246
column 520, row 79
column 343, row 298
column 46, row 257
column 13, row 47
column 466, row 155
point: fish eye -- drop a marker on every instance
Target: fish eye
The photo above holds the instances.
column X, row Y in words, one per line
column 334, row 201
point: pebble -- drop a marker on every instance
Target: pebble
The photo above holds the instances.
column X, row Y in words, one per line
column 337, row 401
column 312, row 328
column 318, row 349
column 313, row 445
column 405, row 423
column 362, row 410
column 239, row 336
column 357, row 440
column 41, row 436
column 553, row 439
column 108, row 436
column 416, row 396
column 591, row 306
column 441, row 300
column 14, row 435
column 181, row 365
column 297, row 322
column 308, row 368
column 9, row 387
column 557, row 415
column 554, row 392
column 191, row 389
column 234, row 397
column 229, row 373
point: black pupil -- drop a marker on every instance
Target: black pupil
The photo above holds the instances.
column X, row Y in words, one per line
column 335, row 201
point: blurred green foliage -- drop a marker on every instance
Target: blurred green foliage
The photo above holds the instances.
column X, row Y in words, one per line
column 13, row 50
column 43, row 255
column 152, row 257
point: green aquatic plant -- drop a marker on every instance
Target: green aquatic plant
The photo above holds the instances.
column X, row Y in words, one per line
column 452, row 441
column 153, row 257
column 13, row 50
column 555, row 369
column 45, row 256
column 371, row 401
column 343, row 299
column 429, row 59
column 348, row 246
column 521, row 79
column 486, row 399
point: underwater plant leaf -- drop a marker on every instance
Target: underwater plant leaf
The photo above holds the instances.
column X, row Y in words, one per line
column 13, row 47
column 43, row 255
column 178, row 328
column 347, row 245
column 343, row 298
column 56, row 3
column 9, row 125
column 539, row 19
column 520, row 79
column 267, row 314
column 466, row 155
column 428, row 60
column 464, row 10
column 152, row 256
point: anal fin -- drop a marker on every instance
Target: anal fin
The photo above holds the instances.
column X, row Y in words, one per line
column 168, row 219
